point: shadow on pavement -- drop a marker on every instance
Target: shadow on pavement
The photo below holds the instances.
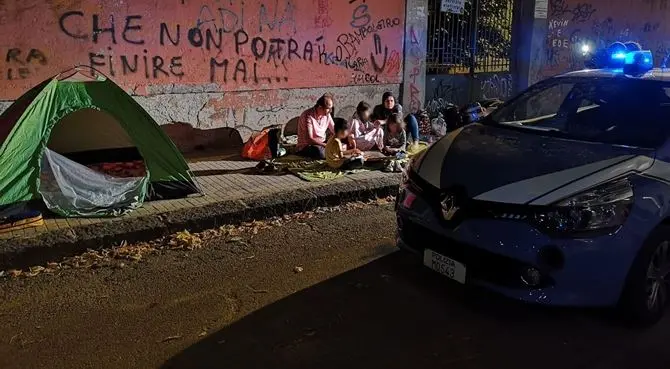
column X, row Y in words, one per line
column 392, row 313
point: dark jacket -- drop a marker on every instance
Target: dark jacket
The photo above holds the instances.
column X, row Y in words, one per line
column 381, row 113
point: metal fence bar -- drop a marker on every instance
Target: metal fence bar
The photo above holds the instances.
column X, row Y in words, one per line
column 486, row 29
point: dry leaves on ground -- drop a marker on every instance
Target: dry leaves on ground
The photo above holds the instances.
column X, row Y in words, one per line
column 184, row 240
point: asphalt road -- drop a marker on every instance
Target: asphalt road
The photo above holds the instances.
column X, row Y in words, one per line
column 356, row 304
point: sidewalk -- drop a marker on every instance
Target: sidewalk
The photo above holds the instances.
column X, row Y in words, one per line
column 232, row 194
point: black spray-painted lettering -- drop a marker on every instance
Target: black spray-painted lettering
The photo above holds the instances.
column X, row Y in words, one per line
column 34, row 55
column 175, row 66
column 276, row 49
column 214, row 65
column 240, row 67
column 153, row 66
column 128, row 28
column 195, row 37
column 258, row 47
column 241, row 38
column 213, row 39
column 165, row 32
column 97, row 30
column 64, row 29
column 158, row 62
column 378, row 50
column 18, row 73
column 308, row 52
column 293, row 49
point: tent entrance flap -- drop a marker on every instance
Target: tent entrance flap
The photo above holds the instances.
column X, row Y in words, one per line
column 99, row 123
column 71, row 189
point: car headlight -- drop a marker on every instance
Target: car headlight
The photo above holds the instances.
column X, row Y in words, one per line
column 601, row 209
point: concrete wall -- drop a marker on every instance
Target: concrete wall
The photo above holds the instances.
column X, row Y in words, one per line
column 456, row 89
column 416, row 30
column 203, row 66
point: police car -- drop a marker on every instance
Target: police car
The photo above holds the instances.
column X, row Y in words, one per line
column 561, row 196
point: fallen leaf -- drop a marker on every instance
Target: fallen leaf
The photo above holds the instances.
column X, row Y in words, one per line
column 185, row 240
column 202, row 334
column 235, row 239
column 256, row 291
column 383, row 201
column 37, row 269
column 298, row 269
column 14, row 273
column 170, row 338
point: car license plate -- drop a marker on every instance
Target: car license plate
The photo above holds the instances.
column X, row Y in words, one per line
column 444, row 265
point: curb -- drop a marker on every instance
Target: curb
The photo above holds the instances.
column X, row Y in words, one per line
column 57, row 244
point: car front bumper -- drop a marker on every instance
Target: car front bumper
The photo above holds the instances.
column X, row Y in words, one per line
column 496, row 253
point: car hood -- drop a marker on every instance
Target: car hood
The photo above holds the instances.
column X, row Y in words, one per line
column 500, row 164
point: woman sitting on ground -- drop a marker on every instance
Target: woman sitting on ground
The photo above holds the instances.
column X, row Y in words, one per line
column 338, row 156
column 366, row 134
column 395, row 138
column 388, row 107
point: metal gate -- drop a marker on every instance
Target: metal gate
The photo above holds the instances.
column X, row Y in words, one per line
column 465, row 49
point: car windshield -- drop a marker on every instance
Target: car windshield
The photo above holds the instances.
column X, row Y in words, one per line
column 622, row 111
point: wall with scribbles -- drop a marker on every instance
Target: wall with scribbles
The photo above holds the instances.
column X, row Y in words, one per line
column 227, row 59
column 572, row 23
column 231, row 45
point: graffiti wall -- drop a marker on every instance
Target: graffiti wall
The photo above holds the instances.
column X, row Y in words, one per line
column 461, row 89
column 203, row 45
column 572, row 23
column 414, row 88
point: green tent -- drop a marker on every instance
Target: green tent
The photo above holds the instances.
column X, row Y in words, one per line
column 52, row 131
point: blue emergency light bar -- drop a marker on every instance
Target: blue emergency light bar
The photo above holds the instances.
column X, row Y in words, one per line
column 642, row 58
column 630, row 58
column 619, row 56
column 638, row 62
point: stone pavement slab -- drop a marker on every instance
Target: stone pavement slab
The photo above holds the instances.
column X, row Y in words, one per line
column 232, row 195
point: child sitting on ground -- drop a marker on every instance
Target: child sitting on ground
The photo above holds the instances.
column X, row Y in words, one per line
column 366, row 134
column 337, row 154
column 395, row 143
column 395, row 138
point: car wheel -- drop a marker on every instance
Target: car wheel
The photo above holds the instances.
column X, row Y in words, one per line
column 647, row 290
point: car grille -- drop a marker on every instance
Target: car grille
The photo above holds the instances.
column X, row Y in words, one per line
column 470, row 208
column 481, row 264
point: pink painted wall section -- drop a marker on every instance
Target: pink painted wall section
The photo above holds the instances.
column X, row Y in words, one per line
column 601, row 22
column 225, row 45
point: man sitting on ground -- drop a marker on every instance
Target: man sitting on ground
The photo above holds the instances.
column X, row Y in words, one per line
column 312, row 127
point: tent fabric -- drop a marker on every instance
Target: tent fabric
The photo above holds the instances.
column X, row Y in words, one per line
column 71, row 189
column 22, row 150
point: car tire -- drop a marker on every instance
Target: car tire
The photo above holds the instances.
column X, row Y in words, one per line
column 647, row 292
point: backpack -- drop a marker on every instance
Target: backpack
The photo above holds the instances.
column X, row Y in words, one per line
column 263, row 145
